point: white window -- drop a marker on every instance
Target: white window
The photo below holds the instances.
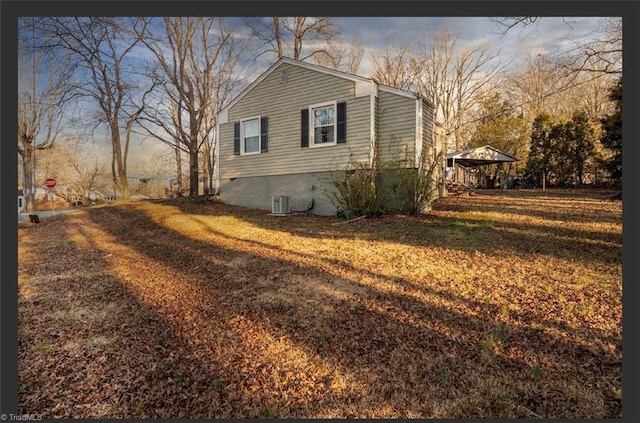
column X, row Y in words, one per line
column 250, row 136
column 322, row 127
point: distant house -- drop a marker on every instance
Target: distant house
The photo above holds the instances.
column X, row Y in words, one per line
column 297, row 122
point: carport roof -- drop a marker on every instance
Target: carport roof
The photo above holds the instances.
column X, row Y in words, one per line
column 479, row 156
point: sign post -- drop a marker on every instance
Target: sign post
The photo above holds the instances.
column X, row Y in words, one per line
column 51, row 185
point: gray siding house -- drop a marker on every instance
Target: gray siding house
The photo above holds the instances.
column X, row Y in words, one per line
column 297, row 122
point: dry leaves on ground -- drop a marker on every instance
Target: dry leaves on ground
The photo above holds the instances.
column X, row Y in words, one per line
column 498, row 305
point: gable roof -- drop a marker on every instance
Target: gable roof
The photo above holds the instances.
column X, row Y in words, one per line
column 479, row 156
column 317, row 68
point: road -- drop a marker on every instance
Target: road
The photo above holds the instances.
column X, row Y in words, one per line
column 42, row 214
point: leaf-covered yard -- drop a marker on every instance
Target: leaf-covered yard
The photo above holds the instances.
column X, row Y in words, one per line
column 501, row 304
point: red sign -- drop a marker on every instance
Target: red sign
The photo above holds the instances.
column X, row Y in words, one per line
column 51, row 183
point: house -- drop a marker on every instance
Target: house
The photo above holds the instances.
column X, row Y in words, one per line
column 297, row 122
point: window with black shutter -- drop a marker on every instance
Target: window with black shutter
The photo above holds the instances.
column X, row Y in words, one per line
column 341, row 136
column 304, row 128
column 250, row 136
column 236, row 138
column 324, row 124
column 264, row 140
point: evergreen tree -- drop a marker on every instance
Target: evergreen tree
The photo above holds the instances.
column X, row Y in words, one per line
column 560, row 150
column 559, row 154
column 582, row 138
column 612, row 138
column 540, row 153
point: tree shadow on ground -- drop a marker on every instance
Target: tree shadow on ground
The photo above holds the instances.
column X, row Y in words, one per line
column 492, row 237
column 561, row 205
column 108, row 355
column 408, row 354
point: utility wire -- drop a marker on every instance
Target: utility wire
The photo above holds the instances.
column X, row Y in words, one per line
column 565, row 88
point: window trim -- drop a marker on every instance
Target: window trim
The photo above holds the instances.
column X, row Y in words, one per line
column 242, row 143
column 312, row 134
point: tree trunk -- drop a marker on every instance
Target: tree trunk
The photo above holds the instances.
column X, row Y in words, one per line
column 210, row 158
column 297, row 37
column 178, row 170
column 208, row 153
column 120, row 165
column 278, row 36
column 27, row 167
column 193, row 170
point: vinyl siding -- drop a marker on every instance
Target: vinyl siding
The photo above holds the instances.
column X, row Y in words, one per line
column 396, row 127
column 428, row 146
column 281, row 103
column 431, row 147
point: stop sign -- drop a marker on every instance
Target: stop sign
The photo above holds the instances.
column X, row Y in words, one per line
column 51, row 183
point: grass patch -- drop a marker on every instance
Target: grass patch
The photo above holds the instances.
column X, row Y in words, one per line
column 499, row 305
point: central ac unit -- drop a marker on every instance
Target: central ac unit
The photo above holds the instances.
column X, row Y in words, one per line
column 280, row 204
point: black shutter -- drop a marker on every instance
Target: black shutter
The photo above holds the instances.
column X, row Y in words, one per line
column 304, row 128
column 342, row 123
column 264, row 141
column 236, row 138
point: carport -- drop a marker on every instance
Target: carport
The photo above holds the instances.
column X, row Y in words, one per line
column 471, row 159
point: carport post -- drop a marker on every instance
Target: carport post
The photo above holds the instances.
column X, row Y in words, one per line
column 453, row 165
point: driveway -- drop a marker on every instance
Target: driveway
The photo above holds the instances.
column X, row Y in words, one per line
column 24, row 217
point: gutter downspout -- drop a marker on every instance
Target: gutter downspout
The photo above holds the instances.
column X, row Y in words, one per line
column 373, row 124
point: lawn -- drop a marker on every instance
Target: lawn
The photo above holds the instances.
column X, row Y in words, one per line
column 496, row 305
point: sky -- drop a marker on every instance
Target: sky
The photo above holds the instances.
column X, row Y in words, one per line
column 549, row 36
column 552, row 35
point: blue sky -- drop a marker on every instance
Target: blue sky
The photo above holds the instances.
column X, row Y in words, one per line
column 550, row 35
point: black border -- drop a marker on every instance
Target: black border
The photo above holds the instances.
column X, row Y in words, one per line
column 10, row 10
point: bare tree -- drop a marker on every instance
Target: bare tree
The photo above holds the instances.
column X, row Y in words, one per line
column 452, row 77
column 603, row 54
column 339, row 56
column 540, row 85
column 86, row 174
column 225, row 84
column 393, row 67
column 534, row 84
column 297, row 37
column 160, row 121
column 103, row 48
column 270, row 33
column 197, row 58
column 43, row 92
column 593, row 96
column 152, row 174
column 78, row 172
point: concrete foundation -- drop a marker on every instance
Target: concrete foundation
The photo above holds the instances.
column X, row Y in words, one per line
column 256, row 192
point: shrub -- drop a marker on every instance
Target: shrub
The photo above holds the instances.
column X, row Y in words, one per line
column 421, row 186
column 356, row 192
